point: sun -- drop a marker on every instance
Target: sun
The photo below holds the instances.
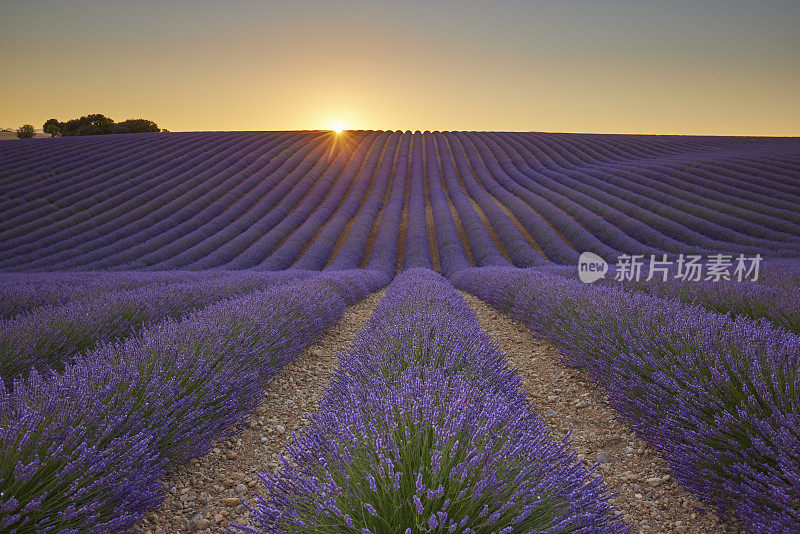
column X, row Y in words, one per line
column 338, row 127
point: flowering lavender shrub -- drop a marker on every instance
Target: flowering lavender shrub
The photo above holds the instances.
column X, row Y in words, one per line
column 25, row 292
column 785, row 273
column 425, row 429
column 780, row 305
column 87, row 448
column 418, row 245
column 51, row 336
column 719, row 396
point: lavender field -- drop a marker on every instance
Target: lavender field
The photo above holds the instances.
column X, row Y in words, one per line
column 153, row 288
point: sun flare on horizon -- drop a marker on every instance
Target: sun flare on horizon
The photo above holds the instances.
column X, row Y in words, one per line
column 338, row 127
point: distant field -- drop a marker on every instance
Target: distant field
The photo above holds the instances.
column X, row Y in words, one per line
column 176, row 308
column 13, row 135
column 443, row 200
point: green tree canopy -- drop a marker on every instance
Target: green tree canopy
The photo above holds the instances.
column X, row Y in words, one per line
column 98, row 124
column 53, row 127
column 26, row 131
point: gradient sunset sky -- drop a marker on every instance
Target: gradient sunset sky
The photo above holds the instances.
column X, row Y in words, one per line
column 688, row 67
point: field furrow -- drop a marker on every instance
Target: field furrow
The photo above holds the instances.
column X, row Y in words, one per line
column 209, row 490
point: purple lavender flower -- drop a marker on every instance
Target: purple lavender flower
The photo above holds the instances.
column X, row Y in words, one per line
column 718, row 395
column 86, row 449
column 425, row 378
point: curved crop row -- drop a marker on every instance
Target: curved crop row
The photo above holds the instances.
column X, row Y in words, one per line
column 718, row 396
column 425, row 428
column 646, row 207
column 85, row 451
column 318, row 200
column 25, row 292
column 50, row 337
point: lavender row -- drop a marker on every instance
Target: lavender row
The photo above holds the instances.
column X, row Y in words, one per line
column 425, row 429
column 720, row 397
column 646, row 207
column 417, row 245
column 280, row 245
column 464, row 191
column 85, row 451
column 452, row 257
column 25, row 292
column 216, row 243
column 50, row 337
column 774, row 297
column 780, row 305
column 154, row 181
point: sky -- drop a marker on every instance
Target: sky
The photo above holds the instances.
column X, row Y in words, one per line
column 723, row 67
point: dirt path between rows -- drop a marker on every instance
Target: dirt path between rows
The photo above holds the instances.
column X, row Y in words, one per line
column 206, row 492
column 648, row 498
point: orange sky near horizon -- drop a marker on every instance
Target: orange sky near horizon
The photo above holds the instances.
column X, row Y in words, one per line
column 714, row 67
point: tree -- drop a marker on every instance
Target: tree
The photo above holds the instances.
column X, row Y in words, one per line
column 95, row 124
column 135, row 126
column 53, row 127
column 26, row 131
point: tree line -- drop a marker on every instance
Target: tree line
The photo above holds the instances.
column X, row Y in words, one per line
column 96, row 124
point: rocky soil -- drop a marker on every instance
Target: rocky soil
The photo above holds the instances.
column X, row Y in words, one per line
column 207, row 494
column 644, row 492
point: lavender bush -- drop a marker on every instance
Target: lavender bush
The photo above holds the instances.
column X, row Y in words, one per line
column 778, row 304
column 84, row 450
column 50, row 337
column 719, row 396
column 425, row 429
column 25, row 292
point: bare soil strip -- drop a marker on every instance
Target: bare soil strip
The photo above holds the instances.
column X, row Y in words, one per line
column 206, row 493
column 644, row 492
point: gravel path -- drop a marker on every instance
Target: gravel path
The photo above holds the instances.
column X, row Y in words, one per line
column 205, row 493
column 649, row 500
